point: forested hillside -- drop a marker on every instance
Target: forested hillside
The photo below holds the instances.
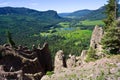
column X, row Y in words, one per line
column 23, row 22
column 76, row 14
column 36, row 27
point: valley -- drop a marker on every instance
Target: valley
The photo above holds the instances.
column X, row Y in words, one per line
column 30, row 27
column 47, row 45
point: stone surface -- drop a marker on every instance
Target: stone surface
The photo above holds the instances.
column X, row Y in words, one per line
column 83, row 55
column 20, row 62
column 97, row 70
column 59, row 61
column 78, row 61
column 71, row 61
column 96, row 38
column 118, row 78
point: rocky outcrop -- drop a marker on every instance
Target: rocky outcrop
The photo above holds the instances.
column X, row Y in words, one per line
column 60, row 61
column 20, row 62
column 102, row 69
column 76, row 61
column 96, row 39
column 83, row 56
column 71, row 61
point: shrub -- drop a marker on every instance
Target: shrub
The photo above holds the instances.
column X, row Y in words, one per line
column 49, row 73
column 91, row 56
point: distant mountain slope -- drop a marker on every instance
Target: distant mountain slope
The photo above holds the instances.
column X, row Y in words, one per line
column 76, row 14
column 96, row 14
column 87, row 14
column 80, row 12
column 64, row 14
column 23, row 22
column 29, row 12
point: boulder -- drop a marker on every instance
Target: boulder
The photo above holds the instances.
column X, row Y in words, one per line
column 83, row 54
column 59, row 61
column 71, row 61
column 96, row 39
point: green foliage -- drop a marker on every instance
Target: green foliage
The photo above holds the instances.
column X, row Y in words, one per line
column 86, row 24
column 34, row 27
column 23, row 22
column 49, row 73
column 91, row 56
column 10, row 41
column 111, row 12
column 70, row 41
column 92, row 23
column 64, row 24
column 111, row 40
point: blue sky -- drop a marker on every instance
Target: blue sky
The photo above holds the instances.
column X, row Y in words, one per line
column 57, row 5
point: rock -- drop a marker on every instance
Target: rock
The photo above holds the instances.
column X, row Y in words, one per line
column 59, row 61
column 114, row 70
column 83, row 54
column 96, row 38
column 45, row 58
column 46, row 77
column 118, row 78
column 11, row 75
column 21, row 62
column 71, row 62
column 118, row 65
column 78, row 61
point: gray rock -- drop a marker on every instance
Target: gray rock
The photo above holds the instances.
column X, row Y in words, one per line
column 118, row 78
column 114, row 70
column 83, row 55
column 96, row 39
column 59, row 61
column 71, row 62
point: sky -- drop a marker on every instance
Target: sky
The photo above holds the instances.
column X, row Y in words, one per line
column 60, row 6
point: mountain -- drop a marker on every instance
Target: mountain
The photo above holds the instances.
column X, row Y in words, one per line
column 76, row 14
column 10, row 11
column 64, row 14
column 86, row 14
column 96, row 14
column 24, row 22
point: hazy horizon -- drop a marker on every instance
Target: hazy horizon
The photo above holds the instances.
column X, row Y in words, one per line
column 60, row 6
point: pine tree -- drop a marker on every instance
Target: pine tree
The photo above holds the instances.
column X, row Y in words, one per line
column 9, row 39
column 111, row 38
column 111, row 13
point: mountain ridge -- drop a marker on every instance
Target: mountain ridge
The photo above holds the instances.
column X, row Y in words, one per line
column 26, row 21
column 24, row 11
column 75, row 14
column 97, row 14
